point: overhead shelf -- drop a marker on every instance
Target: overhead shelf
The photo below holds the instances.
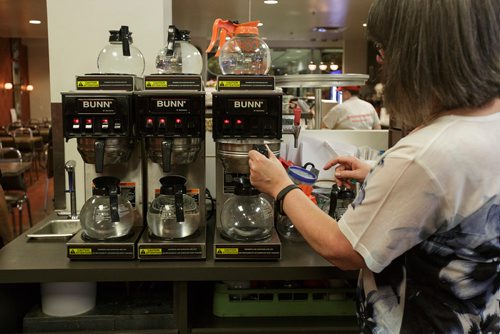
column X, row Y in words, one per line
column 319, row 81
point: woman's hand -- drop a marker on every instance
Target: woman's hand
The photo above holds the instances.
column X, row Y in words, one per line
column 267, row 174
column 349, row 168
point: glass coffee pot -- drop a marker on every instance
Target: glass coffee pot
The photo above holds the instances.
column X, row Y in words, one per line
column 305, row 179
column 246, row 216
column 107, row 214
column 120, row 56
column 340, row 198
column 245, row 52
column 179, row 56
column 173, row 214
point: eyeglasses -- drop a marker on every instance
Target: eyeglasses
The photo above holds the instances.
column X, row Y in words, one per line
column 380, row 52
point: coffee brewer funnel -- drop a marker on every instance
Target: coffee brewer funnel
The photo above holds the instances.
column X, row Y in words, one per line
column 244, row 118
column 170, row 123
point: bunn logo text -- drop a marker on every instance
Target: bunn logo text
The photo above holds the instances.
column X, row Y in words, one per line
column 170, row 104
column 248, row 104
column 97, row 104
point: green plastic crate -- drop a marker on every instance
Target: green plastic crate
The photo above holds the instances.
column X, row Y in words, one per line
column 282, row 302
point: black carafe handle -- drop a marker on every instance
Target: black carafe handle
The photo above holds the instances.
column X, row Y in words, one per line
column 262, row 149
column 179, row 206
column 113, row 202
column 124, row 36
column 166, row 154
column 172, row 30
column 99, row 155
column 333, row 200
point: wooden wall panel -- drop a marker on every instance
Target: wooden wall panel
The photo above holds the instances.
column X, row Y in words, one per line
column 25, row 80
column 6, row 96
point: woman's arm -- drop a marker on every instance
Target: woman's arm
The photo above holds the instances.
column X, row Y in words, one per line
column 317, row 228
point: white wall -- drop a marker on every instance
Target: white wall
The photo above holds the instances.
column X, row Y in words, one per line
column 78, row 30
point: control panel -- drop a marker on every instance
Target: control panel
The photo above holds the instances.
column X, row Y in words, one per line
column 97, row 114
column 170, row 113
column 247, row 114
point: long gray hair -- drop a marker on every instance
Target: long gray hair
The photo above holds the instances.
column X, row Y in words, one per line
column 439, row 55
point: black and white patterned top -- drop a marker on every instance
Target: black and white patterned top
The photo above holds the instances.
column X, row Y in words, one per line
column 427, row 223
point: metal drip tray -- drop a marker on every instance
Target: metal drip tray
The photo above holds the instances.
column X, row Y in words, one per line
column 56, row 229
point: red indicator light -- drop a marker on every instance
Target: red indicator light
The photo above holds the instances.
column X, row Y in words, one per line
column 226, row 121
column 76, row 121
column 88, row 121
column 178, row 120
column 162, row 120
column 104, row 121
column 239, row 121
column 149, row 120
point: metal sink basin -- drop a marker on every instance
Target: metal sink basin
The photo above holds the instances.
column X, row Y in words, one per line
column 56, row 229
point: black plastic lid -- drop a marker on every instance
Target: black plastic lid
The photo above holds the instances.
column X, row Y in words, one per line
column 103, row 185
column 173, row 184
column 115, row 36
column 243, row 187
column 184, row 35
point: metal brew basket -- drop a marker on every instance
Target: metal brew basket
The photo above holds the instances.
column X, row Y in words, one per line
column 233, row 153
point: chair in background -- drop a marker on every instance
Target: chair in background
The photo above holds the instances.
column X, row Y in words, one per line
column 15, row 189
column 13, row 126
column 23, row 141
column 4, row 132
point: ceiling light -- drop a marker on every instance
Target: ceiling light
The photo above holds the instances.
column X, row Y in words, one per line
column 322, row 66
column 29, row 88
column 35, row 21
column 329, row 29
column 364, row 24
column 270, row 2
column 311, row 66
column 334, row 66
column 8, row 85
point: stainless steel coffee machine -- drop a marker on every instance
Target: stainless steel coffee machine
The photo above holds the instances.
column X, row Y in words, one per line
column 171, row 127
column 247, row 113
column 99, row 115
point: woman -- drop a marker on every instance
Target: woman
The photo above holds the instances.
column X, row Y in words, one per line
column 425, row 226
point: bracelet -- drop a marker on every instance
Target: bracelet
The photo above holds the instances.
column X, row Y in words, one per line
column 281, row 196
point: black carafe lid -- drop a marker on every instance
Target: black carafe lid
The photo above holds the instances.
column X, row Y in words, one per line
column 124, row 36
column 173, row 184
column 174, row 35
column 109, row 186
column 243, row 187
column 104, row 185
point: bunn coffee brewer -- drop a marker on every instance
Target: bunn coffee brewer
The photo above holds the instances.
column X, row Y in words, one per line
column 100, row 116
column 246, row 115
column 171, row 127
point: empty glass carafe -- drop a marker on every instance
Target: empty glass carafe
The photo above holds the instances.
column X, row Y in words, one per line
column 173, row 214
column 120, row 56
column 246, row 216
column 107, row 214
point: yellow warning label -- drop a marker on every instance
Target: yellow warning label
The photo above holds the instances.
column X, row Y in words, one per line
column 156, row 84
column 80, row 251
column 88, row 84
column 231, row 251
column 150, row 251
column 235, row 84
